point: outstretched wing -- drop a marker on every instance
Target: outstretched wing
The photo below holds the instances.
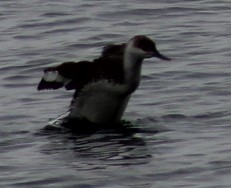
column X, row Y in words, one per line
column 63, row 75
column 74, row 75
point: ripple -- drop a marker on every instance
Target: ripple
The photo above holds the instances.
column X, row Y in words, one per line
column 212, row 115
column 45, row 24
column 179, row 129
column 54, row 14
column 174, row 116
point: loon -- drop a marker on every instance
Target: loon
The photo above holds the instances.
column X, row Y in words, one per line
column 103, row 86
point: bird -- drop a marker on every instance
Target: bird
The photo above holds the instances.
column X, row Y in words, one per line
column 104, row 85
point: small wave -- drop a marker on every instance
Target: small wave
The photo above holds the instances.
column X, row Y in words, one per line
column 63, row 22
column 16, row 77
column 54, row 14
column 174, row 116
column 211, row 115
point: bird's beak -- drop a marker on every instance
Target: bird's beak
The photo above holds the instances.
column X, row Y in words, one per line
column 160, row 56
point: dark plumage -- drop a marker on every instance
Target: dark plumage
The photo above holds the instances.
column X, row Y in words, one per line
column 77, row 74
column 103, row 86
column 113, row 50
column 80, row 73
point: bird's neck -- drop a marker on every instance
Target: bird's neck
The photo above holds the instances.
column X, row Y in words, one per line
column 132, row 70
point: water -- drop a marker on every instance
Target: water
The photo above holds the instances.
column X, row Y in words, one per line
column 181, row 112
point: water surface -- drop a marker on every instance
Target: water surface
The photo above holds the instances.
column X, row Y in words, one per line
column 181, row 111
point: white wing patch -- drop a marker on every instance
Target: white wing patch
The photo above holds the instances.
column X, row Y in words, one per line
column 54, row 76
column 51, row 76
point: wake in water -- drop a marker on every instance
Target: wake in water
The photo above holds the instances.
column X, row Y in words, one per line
column 82, row 126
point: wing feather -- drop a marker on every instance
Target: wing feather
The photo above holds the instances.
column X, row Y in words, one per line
column 74, row 75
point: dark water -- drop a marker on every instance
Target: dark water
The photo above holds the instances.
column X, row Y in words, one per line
column 181, row 112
